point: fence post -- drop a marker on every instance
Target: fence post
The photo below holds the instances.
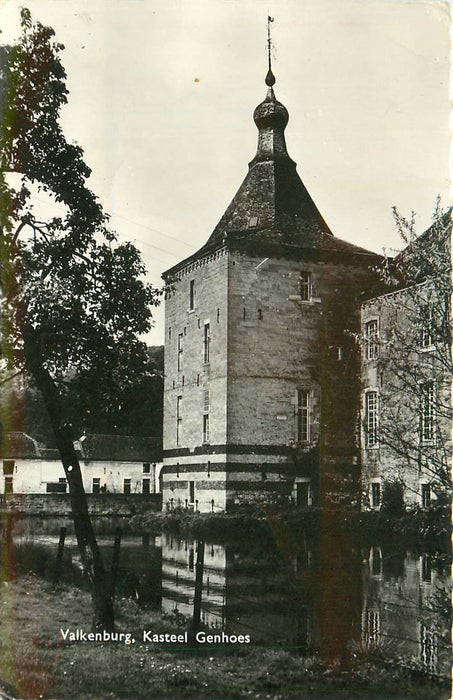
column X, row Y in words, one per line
column 116, row 559
column 198, row 586
column 59, row 560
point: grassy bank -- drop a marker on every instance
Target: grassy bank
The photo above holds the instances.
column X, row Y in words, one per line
column 35, row 662
column 432, row 527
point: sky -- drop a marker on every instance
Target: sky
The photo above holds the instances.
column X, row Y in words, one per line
column 162, row 94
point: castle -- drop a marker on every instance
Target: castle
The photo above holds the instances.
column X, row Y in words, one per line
column 262, row 386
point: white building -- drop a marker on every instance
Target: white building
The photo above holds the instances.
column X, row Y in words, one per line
column 109, row 463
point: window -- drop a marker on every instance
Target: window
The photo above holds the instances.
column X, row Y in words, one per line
column 426, row 339
column 427, row 412
column 426, row 569
column 372, row 338
column 96, row 485
column 303, row 415
column 191, row 295
column 373, row 626
column 303, row 496
column 56, row 486
column 428, row 648
column 146, row 486
column 206, row 404
column 127, row 486
column 206, row 427
column 426, row 495
column 305, row 286
column 178, row 419
column 180, row 342
column 8, row 484
column 206, row 343
column 8, row 466
column 371, row 418
column 376, row 561
column 146, row 468
column 375, row 494
column 191, row 491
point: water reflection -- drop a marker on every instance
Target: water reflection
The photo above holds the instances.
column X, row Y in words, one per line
column 316, row 594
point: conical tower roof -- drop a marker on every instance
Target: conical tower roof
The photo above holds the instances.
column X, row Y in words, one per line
column 272, row 198
column 272, row 212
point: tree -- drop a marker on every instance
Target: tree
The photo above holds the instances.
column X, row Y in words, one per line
column 73, row 300
column 409, row 346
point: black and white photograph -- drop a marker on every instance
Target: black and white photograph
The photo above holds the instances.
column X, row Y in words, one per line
column 225, row 349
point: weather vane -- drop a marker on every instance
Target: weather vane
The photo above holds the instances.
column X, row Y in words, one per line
column 270, row 78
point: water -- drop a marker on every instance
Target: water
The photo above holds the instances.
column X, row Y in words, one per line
column 321, row 594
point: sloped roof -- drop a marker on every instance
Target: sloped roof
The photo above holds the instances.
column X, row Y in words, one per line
column 120, row 448
column 272, row 206
column 110, row 448
column 16, row 445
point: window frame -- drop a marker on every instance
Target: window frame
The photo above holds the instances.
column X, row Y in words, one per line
column 305, row 285
column 372, row 339
column 206, row 343
column 191, row 295
column 303, row 417
column 206, row 429
column 371, row 430
column 427, row 413
column 180, row 350
column 375, row 486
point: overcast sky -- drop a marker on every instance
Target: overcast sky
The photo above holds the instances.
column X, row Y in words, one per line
column 162, row 94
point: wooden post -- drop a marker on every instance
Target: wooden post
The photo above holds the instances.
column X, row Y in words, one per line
column 198, row 586
column 59, row 560
column 116, row 559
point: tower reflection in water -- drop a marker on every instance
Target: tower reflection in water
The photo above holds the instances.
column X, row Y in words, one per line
column 325, row 597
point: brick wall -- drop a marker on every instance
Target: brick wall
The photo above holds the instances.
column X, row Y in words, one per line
column 98, row 504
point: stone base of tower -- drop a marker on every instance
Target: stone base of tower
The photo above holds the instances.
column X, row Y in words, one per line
column 226, row 481
column 219, row 482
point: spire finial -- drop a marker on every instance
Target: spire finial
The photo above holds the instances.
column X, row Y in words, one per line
column 270, row 77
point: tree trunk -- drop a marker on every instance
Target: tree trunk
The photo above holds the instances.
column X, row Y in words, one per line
column 86, row 539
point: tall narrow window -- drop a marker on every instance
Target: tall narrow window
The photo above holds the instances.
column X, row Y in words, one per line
column 206, row 409
column 371, row 418
column 180, row 344
column 426, row 495
column 428, row 647
column 127, row 486
column 305, row 286
column 191, row 295
column 206, row 343
column 178, row 419
column 373, row 626
column 303, row 415
column 375, row 494
column 427, row 411
column 372, row 339
column 191, row 491
column 146, row 486
column 427, row 329
column 96, row 485
column 8, row 484
column 206, row 427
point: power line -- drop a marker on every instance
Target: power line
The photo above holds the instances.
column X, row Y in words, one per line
column 149, row 228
